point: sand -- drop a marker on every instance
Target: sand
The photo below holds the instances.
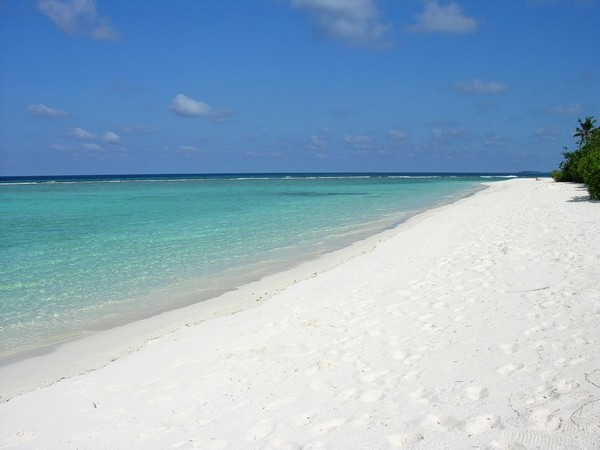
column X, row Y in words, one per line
column 474, row 325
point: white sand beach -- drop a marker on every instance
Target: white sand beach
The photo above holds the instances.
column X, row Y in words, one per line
column 473, row 325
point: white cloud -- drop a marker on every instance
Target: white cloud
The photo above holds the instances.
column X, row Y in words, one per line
column 361, row 142
column 188, row 107
column 40, row 110
column 91, row 147
column 264, row 154
column 62, row 147
column 316, row 142
column 111, row 138
column 442, row 19
column 396, row 135
column 355, row 22
column 480, row 87
column 79, row 133
column 444, row 135
column 546, row 134
column 495, row 141
column 77, row 16
column 565, row 110
column 104, row 33
column 67, row 13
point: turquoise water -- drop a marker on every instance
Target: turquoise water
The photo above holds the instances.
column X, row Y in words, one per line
column 79, row 255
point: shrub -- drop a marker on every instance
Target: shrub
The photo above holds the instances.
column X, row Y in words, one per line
column 569, row 168
column 589, row 165
column 583, row 164
column 557, row 175
column 592, row 180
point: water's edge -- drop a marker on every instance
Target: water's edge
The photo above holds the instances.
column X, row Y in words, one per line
column 114, row 306
column 45, row 365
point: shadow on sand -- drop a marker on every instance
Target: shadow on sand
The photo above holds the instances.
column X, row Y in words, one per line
column 582, row 198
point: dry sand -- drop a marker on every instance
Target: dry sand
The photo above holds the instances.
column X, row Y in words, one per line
column 474, row 325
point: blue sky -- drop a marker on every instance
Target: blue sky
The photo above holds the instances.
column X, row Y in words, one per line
column 182, row 86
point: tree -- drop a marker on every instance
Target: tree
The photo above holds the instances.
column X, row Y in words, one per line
column 583, row 165
column 589, row 164
column 584, row 132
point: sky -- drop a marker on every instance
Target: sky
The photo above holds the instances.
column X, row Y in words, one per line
column 254, row 86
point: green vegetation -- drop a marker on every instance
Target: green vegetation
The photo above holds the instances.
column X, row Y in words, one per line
column 583, row 165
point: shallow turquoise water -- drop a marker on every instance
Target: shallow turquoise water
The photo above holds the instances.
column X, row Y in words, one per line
column 81, row 255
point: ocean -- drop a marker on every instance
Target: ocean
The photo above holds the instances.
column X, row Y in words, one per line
column 79, row 254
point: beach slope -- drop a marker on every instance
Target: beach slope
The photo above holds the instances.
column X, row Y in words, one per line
column 473, row 325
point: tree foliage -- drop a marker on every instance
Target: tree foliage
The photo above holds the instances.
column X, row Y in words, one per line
column 583, row 165
column 584, row 131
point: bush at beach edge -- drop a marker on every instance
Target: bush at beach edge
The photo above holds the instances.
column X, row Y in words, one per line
column 583, row 164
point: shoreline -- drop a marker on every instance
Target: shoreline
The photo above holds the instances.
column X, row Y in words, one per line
column 192, row 286
column 19, row 372
column 470, row 324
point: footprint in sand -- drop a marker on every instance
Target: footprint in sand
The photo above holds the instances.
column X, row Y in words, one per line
column 411, row 375
column 483, row 423
column 506, row 445
column 509, row 368
column 25, row 436
column 412, row 359
column 542, row 394
column 320, row 366
column 564, row 386
column 404, row 439
column 509, row 348
column 440, row 422
column 313, row 323
column 373, row 375
column 423, row 396
column 400, row 355
column 547, row 304
column 407, row 357
column 532, row 330
column 576, row 361
column 430, row 327
column 562, row 362
column 476, row 392
column 329, row 425
column 261, row 429
column 325, row 364
column 544, row 420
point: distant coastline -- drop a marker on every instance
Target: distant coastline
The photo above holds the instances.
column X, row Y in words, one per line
column 228, row 176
